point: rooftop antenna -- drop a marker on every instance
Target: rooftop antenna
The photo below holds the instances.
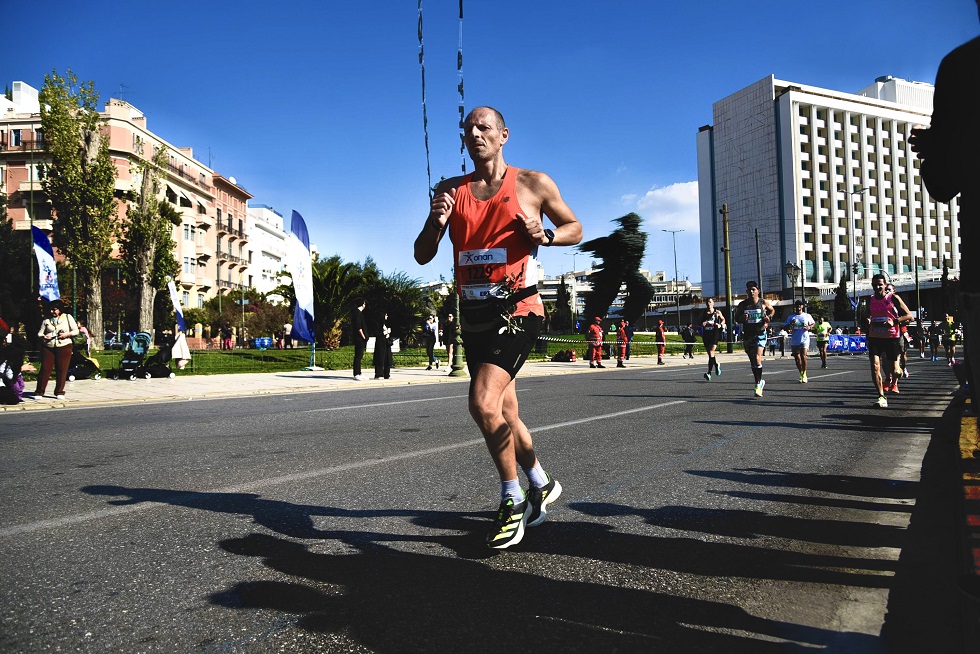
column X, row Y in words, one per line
column 122, row 91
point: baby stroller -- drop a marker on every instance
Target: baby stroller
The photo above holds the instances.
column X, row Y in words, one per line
column 82, row 366
column 132, row 361
column 159, row 364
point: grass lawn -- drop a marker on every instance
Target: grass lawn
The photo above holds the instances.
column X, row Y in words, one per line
column 216, row 362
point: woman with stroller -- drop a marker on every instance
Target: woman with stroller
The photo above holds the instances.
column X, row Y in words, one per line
column 56, row 338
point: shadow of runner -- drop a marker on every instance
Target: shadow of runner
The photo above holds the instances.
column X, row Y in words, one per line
column 924, row 612
column 736, row 523
column 840, row 484
column 407, row 602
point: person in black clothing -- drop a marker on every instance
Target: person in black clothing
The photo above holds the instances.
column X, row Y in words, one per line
column 429, row 333
column 383, row 360
column 358, row 335
column 754, row 313
column 712, row 323
column 449, row 335
column 690, row 338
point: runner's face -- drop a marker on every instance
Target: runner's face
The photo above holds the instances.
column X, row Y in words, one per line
column 879, row 286
column 753, row 292
column 482, row 137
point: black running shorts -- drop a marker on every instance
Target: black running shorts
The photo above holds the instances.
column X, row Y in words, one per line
column 884, row 348
column 498, row 347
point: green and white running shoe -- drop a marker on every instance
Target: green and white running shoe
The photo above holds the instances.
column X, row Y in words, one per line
column 539, row 499
column 508, row 527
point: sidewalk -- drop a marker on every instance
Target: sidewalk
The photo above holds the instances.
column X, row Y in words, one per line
column 88, row 392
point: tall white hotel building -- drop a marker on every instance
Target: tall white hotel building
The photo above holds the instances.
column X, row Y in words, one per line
column 802, row 165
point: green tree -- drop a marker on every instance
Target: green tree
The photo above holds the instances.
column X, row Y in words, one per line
column 621, row 253
column 842, row 302
column 79, row 183
column 562, row 320
column 335, row 286
column 400, row 297
column 147, row 242
column 815, row 307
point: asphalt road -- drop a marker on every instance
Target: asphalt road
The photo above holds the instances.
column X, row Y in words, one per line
column 695, row 518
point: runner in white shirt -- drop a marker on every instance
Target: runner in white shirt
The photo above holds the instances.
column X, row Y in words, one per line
column 800, row 323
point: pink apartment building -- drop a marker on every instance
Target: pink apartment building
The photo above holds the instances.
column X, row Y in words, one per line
column 211, row 246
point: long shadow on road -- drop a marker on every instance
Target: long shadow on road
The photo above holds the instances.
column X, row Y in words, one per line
column 397, row 600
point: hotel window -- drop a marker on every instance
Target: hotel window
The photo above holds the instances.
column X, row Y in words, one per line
column 188, row 232
column 15, row 137
column 200, row 300
column 188, row 266
column 185, row 299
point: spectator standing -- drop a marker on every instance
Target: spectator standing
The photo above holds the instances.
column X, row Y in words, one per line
column 690, row 338
column 358, row 335
column 595, row 338
column 83, row 329
column 661, row 342
column 383, row 360
column 450, row 336
column 287, row 335
column 621, row 344
column 56, row 339
column 629, row 339
column 429, row 335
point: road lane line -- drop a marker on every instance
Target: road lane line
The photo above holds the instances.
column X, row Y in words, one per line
column 617, row 414
column 56, row 523
column 384, row 404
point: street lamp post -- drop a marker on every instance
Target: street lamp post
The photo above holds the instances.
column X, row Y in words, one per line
column 792, row 270
column 677, row 296
column 852, row 253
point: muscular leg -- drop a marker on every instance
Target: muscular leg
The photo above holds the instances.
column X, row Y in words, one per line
column 493, row 406
column 876, row 374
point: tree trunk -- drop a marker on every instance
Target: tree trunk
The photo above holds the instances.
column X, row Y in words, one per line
column 93, row 304
column 145, row 291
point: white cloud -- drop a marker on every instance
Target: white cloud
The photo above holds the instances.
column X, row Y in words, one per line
column 674, row 206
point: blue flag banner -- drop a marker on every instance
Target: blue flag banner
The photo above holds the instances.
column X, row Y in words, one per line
column 300, row 267
column 177, row 308
column 47, row 273
column 853, row 343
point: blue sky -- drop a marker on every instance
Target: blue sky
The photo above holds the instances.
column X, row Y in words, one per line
column 315, row 105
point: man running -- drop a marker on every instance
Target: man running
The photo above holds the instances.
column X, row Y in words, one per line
column 712, row 324
column 887, row 314
column 800, row 324
column 754, row 313
column 494, row 216
column 822, row 330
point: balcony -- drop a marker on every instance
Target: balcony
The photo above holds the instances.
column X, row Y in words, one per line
column 187, row 279
column 204, row 252
column 24, row 146
column 205, row 283
column 225, row 284
column 28, row 186
column 204, row 221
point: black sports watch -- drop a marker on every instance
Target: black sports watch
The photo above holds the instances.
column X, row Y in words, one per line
column 550, row 235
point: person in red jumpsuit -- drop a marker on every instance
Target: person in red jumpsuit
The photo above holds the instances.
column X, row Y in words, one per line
column 595, row 343
column 661, row 342
column 621, row 343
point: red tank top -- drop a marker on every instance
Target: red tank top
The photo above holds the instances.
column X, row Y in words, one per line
column 881, row 310
column 489, row 248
